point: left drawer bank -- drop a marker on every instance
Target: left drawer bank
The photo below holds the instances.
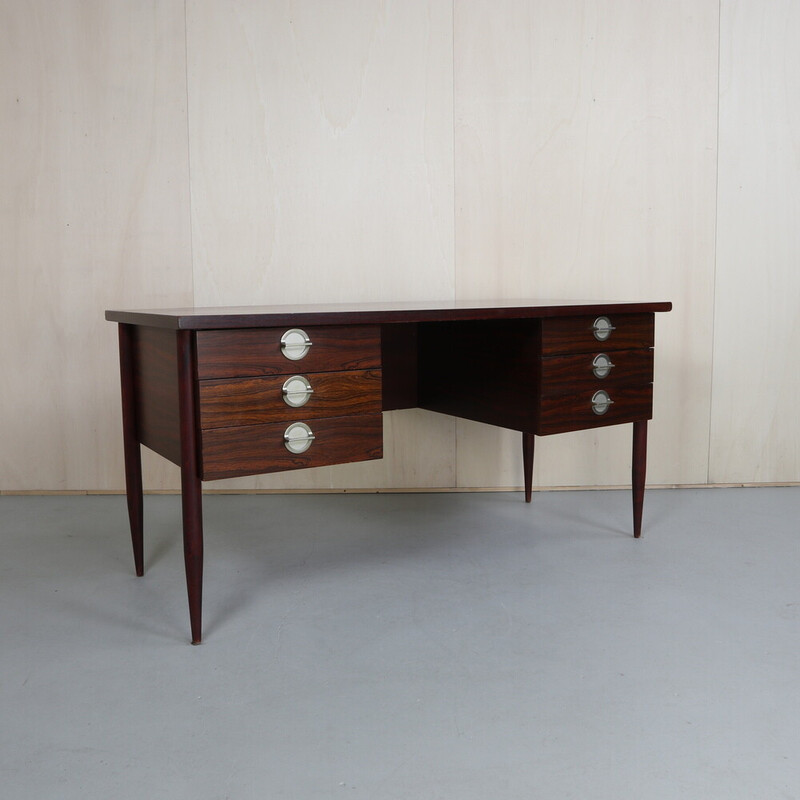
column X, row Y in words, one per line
column 267, row 399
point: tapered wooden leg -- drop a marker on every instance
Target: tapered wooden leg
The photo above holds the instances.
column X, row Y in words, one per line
column 527, row 464
column 191, row 489
column 192, row 503
column 638, row 471
column 133, row 452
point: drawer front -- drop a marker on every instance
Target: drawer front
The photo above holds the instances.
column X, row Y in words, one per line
column 251, row 352
column 561, row 374
column 573, row 412
column 256, row 449
column 254, row 401
column 577, row 334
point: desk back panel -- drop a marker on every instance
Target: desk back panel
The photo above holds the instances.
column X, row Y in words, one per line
column 399, row 356
column 484, row 370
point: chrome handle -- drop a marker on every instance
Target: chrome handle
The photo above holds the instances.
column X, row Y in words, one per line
column 602, row 328
column 295, row 343
column 296, row 391
column 297, row 438
column 602, row 365
column 601, row 402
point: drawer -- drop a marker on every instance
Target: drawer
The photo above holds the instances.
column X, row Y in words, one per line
column 255, row 449
column 250, row 352
column 573, row 412
column 254, row 401
column 580, row 334
column 561, row 374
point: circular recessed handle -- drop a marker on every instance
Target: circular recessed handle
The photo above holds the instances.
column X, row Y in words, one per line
column 296, row 391
column 298, row 437
column 602, row 365
column 602, row 328
column 295, row 344
column 601, row 402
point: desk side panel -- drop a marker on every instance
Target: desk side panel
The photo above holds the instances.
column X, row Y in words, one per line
column 156, row 381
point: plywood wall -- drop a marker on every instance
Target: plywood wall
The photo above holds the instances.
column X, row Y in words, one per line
column 171, row 153
column 755, row 425
column 94, row 186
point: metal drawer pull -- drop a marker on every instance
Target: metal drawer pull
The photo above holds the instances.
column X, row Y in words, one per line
column 602, row 328
column 601, row 402
column 295, row 344
column 602, row 365
column 296, row 391
column 297, row 438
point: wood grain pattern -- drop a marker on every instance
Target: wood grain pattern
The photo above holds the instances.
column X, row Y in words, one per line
column 254, row 401
column 574, row 372
column 573, row 412
column 257, row 351
column 251, row 449
column 576, row 334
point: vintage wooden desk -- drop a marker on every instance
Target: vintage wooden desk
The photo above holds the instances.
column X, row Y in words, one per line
column 224, row 392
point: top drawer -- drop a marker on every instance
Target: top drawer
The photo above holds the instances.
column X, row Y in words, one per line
column 248, row 352
column 603, row 332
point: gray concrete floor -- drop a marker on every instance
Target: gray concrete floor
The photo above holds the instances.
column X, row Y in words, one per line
column 405, row 646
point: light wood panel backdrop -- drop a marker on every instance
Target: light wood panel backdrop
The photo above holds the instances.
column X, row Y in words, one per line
column 159, row 154
column 94, row 186
column 755, row 424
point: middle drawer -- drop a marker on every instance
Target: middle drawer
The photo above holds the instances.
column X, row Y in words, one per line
column 572, row 373
column 254, row 401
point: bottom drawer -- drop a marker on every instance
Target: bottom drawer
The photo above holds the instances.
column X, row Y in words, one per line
column 577, row 411
column 255, row 449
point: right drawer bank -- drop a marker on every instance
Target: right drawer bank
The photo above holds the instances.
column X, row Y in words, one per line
column 595, row 371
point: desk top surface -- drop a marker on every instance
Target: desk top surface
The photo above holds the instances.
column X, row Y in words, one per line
column 371, row 313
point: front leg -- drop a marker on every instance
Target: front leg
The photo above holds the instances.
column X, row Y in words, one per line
column 192, row 507
column 638, row 470
column 191, row 489
column 130, row 439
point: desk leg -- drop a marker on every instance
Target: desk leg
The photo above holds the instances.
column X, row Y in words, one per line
column 191, row 489
column 133, row 451
column 638, row 470
column 527, row 464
